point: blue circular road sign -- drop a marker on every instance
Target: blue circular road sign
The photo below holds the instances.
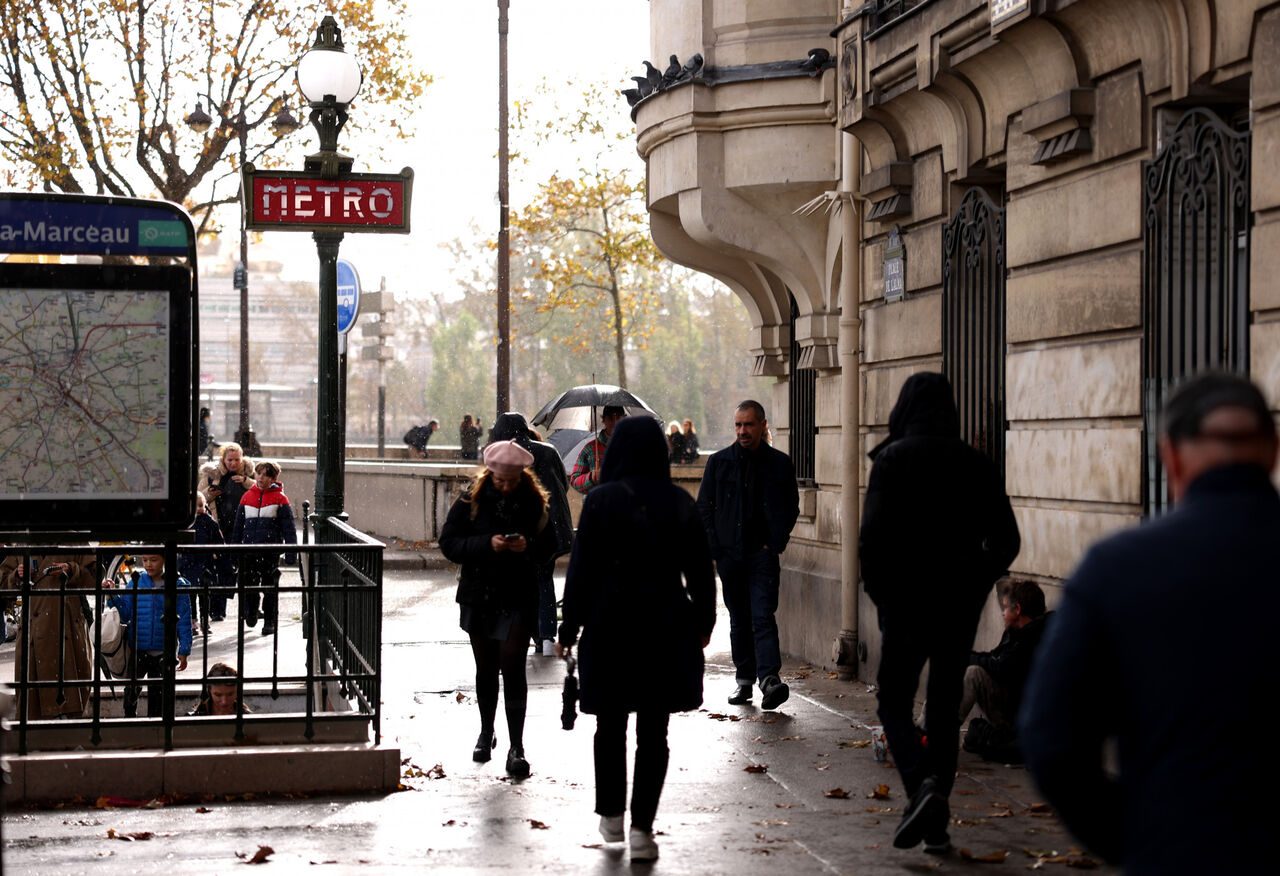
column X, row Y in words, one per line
column 348, row 296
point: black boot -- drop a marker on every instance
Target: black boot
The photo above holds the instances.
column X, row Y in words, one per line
column 484, row 746
column 517, row 766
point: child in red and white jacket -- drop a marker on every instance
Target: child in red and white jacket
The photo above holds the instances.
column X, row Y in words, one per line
column 264, row 517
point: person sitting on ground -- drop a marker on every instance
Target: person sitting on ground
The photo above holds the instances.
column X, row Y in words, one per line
column 220, row 696
column 996, row 679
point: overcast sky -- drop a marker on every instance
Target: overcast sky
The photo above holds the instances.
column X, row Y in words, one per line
column 454, row 151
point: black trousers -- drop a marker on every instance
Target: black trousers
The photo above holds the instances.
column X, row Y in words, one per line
column 652, row 755
column 912, row 636
column 261, row 581
column 146, row 665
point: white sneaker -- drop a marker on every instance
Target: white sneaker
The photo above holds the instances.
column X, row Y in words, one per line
column 611, row 828
column 549, row 650
column 643, row 848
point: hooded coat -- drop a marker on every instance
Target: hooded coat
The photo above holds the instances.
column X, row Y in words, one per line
column 936, row 523
column 57, row 625
column 640, row 572
column 549, row 468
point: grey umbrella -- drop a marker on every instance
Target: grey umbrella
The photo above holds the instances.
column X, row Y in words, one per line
column 579, row 407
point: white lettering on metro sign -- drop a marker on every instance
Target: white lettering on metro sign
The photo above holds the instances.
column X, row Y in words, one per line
column 300, row 201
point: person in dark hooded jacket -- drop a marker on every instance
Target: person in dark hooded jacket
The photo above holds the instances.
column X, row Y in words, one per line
column 640, row 563
column 549, row 468
column 937, row 532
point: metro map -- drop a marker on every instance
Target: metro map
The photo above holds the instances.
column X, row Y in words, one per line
column 84, row 394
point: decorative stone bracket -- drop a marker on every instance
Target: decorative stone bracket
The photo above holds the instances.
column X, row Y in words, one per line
column 888, row 189
column 1061, row 124
column 816, row 334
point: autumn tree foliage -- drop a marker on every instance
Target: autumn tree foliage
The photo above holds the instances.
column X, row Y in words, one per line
column 94, row 93
column 586, row 232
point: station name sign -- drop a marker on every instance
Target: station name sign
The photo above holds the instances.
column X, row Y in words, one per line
column 302, row 201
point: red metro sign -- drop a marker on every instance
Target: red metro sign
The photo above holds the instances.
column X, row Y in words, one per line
column 300, row 201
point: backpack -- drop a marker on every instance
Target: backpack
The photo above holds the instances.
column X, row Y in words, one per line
column 993, row 742
column 113, row 655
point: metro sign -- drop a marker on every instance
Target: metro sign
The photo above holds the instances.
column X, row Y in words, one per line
column 287, row 200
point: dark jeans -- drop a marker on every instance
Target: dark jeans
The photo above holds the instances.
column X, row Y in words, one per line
column 911, row 636
column 145, row 665
column 751, row 595
column 611, row 765
column 546, row 602
column 261, row 578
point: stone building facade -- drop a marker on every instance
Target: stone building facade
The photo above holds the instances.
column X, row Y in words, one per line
column 1065, row 205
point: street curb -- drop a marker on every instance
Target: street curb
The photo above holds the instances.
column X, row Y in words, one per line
column 409, row 560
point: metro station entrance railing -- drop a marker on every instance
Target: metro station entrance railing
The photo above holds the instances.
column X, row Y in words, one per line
column 316, row 678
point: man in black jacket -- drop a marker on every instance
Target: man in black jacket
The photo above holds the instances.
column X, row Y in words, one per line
column 996, row 679
column 937, row 531
column 1164, row 639
column 749, row 503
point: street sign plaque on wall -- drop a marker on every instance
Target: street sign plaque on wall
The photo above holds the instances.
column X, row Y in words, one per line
column 290, row 200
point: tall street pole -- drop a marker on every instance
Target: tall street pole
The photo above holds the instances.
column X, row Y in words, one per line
column 329, row 487
column 243, row 437
column 504, row 231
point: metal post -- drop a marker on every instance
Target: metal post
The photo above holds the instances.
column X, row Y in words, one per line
column 847, row 651
column 504, row 233
column 382, row 377
column 329, row 491
column 242, row 433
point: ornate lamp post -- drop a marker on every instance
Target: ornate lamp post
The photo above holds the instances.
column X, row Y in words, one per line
column 283, row 124
column 329, row 79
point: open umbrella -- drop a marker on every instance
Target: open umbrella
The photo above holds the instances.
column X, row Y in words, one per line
column 579, row 407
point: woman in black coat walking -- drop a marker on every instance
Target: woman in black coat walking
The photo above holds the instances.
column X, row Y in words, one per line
column 640, row 563
column 497, row 530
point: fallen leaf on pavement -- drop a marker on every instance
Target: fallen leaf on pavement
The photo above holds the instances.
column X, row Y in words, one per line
column 833, row 676
column 203, row 809
column 460, row 697
column 1039, row 807
column 1082, row 863
column 857, row 743
column 1000, row 813
column 756, row 768
column 790, row 738
column 837, row 794
column 436, row 772
column 881, row 792
column 538, row 825
column 130, row 837
column 992, row 858
column 259, row 857
column 783, row 805
column 804, row 666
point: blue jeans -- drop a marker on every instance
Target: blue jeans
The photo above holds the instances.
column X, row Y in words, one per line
column 750, row 589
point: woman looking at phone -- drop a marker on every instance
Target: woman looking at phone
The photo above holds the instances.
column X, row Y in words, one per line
column 497, row 531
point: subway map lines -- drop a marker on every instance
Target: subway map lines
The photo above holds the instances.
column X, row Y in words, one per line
column 84, row 393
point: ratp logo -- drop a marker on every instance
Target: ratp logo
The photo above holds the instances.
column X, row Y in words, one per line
column 165, row 234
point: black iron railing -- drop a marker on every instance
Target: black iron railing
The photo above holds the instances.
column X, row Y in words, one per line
column 316, row 677
column 1195, row 309
column 973, row 320
column 802, row 398
column 885, row 12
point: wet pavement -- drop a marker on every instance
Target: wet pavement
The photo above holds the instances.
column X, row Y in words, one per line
column 795, row 791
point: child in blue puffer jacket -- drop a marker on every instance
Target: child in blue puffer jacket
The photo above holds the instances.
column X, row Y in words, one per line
column 144, row 613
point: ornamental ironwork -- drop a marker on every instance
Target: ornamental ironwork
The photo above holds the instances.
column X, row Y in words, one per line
column 1196, row 274
column 973, row 314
